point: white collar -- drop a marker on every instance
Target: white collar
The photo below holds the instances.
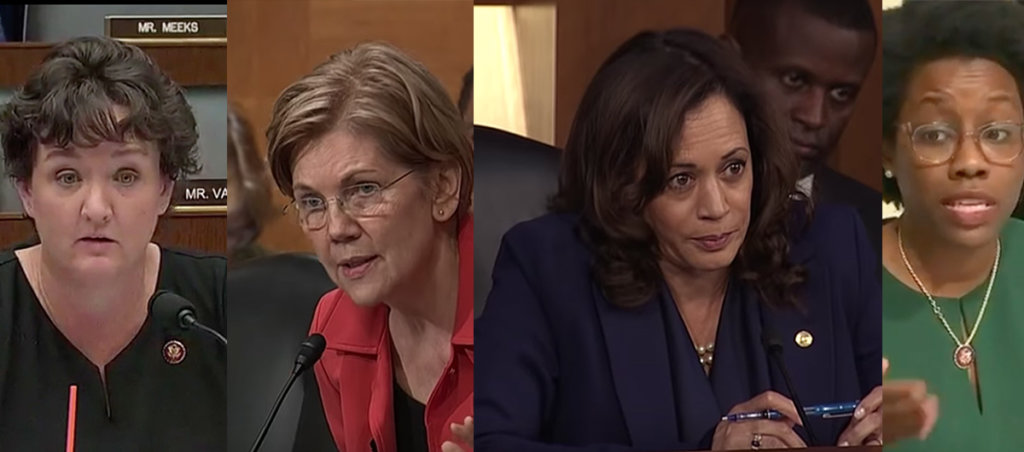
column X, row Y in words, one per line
column 806, row 185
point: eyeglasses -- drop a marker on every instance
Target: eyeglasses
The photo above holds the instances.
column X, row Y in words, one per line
column 935, row 143
column 360, row 200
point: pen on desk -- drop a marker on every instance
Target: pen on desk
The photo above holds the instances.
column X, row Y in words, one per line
column 826, row 411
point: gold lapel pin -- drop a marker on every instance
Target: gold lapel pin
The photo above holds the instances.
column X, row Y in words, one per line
column 174, row 352
column 804, row 339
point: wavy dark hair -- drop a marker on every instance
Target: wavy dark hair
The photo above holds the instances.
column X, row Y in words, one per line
column 70, row 99
column 621, row 146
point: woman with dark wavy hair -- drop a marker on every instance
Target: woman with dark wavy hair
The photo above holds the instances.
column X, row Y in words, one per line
column 638, row 313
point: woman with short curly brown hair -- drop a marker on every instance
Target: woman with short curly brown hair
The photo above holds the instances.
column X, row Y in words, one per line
column 633, row 317
column 95, row 141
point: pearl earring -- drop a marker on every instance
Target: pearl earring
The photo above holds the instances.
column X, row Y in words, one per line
column 888, row 174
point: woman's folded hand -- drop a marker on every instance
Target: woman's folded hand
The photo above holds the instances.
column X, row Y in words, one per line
column 908, row 410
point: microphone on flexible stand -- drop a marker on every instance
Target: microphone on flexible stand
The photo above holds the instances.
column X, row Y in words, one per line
column 309, row 353
column 773, row 347
column 172, row 311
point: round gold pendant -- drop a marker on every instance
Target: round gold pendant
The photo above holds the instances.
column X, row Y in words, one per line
column 963, row 356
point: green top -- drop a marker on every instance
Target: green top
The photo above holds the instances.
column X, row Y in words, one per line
column 919, row 347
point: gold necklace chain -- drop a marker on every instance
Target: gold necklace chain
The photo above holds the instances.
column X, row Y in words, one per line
column 935, row 306
column 43, row 299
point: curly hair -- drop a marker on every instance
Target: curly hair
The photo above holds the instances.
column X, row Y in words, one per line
column 71, row 98
column 621, row 146
column 922, row 32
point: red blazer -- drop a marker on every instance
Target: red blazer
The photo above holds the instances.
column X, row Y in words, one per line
column 355, row 372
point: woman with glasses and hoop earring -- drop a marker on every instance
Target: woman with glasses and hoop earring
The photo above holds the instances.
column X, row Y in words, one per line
column 375, row 156
column 953, row 305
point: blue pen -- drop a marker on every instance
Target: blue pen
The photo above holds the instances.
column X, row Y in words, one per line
column 826, row 411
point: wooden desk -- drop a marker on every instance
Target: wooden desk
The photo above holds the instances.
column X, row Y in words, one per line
column 188, row 64
column 204, row 231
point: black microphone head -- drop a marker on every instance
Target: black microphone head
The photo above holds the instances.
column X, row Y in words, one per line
column 169, row 310
column 309, row 352
column 770, row 341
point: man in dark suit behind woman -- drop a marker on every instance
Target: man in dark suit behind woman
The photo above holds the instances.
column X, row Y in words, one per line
column 632, row 317
column 812, row 57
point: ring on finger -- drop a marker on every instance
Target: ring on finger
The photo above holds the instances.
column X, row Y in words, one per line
column 755, row 443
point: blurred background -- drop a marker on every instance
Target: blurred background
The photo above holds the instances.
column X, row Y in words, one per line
column 890, row 210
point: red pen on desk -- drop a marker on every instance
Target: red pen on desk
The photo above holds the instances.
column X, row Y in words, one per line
column 72, row 411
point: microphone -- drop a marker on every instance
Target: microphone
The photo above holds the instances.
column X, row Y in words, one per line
column 174, row 312
column 309, row 353
column 773, row 346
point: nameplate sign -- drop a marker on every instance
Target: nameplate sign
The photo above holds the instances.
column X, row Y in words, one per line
column 201, row 192
column 203, row 28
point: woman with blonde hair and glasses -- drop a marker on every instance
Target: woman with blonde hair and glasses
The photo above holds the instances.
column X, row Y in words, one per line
column 374, row 154
column 952, row 141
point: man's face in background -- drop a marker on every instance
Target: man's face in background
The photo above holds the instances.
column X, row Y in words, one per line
column 812, row 69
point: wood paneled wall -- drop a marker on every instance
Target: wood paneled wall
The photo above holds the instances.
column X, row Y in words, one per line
column 204, row 232
column 588, row 34
column 188, row 64
column 860, row 149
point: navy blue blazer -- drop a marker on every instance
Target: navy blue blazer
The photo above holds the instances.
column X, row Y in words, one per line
column 559, row 368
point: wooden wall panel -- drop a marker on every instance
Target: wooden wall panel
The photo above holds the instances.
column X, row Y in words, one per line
column 274, row 42
column 189, row 64
column 204, row 232
column 860, row 148
column 588, row 34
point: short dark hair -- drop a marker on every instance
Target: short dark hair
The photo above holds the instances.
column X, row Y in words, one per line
column 70, row 100
column 466, row 93
column 921, row 32
column 848, row 14
column 621, row 146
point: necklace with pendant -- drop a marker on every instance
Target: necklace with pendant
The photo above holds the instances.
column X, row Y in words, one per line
column 963, row 354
